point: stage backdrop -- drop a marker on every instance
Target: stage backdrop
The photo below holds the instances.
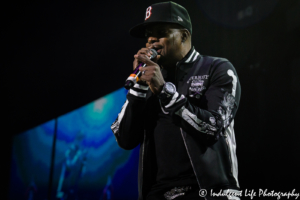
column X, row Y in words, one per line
column 88, row 164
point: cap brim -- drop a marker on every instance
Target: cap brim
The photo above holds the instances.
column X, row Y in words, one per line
column 138, row 31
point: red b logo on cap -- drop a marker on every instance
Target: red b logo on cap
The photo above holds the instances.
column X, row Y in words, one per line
column 148, row 12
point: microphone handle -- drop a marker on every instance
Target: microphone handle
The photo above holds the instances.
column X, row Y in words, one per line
column 134, row 77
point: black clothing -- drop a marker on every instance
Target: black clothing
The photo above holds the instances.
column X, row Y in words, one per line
column 190, row 195
column 204, row 106
column 173, row 161
column 173, row 164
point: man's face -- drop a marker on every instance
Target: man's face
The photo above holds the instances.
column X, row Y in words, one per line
column 166, row 40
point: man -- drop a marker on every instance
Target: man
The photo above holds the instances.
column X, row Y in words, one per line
column 181, row 112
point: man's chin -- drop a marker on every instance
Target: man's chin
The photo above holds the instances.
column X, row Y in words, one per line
column 161, row 60
column 165, row 62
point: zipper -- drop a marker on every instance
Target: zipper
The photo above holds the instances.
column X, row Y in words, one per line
column 176, row 75
column 191, row 161
column 143, row 151
column 143, row 161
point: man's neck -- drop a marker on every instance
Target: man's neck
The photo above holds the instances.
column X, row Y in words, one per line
column 172, row 65
column 186, row 50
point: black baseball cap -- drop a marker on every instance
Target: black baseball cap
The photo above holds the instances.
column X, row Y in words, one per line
column 165, row 12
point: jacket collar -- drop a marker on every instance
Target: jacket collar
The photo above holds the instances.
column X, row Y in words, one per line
column 187, row 63
column 190, row 57
column 183, row 66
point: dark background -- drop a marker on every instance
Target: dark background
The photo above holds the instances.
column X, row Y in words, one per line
column 57, row 57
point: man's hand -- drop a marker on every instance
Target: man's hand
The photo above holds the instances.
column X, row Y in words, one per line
column 151, row 74
column 144, row 51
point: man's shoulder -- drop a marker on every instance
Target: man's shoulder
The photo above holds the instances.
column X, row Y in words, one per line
column 210, row 63
column 214, row 60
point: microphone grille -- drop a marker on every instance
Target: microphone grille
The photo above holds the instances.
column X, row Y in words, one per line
column 154, row 53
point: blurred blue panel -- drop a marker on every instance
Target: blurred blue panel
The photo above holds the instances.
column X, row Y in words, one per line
column 88, row 162
column 30, row 164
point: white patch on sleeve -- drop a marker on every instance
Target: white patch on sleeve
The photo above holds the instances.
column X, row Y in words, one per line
column 116, row 124
column 195, row 122
column 142, row 87
column 234, row 81
column 179, row 99
column 138, row 94
column 172, row 100
column 120, row 117
column 189, row 117
column 232, row 148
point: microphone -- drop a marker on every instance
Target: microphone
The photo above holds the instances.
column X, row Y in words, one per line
column 134, row 77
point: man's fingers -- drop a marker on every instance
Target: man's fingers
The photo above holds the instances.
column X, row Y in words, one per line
column 146, row 78
column 144, row 59
column 150, row 69
column 145, row 51
column 142, row 53
column 135, row 63
column 146, row 73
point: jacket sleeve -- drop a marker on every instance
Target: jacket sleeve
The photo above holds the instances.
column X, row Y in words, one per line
column 218, row 104
column 128, row 127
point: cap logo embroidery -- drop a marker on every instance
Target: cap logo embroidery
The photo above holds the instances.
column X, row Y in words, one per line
column 148, row 12
column 180, row 19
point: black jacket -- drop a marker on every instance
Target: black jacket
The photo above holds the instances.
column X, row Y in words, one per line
column 207, row 98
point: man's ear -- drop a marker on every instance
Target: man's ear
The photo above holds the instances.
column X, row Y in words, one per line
column 185, row 34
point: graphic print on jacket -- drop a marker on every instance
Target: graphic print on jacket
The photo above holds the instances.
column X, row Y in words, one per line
column 197, row 85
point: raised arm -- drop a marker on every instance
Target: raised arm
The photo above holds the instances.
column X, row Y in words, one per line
column 218, row 104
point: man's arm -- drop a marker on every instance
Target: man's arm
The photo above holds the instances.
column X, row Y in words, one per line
column 128, row 127
column 220, row 103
